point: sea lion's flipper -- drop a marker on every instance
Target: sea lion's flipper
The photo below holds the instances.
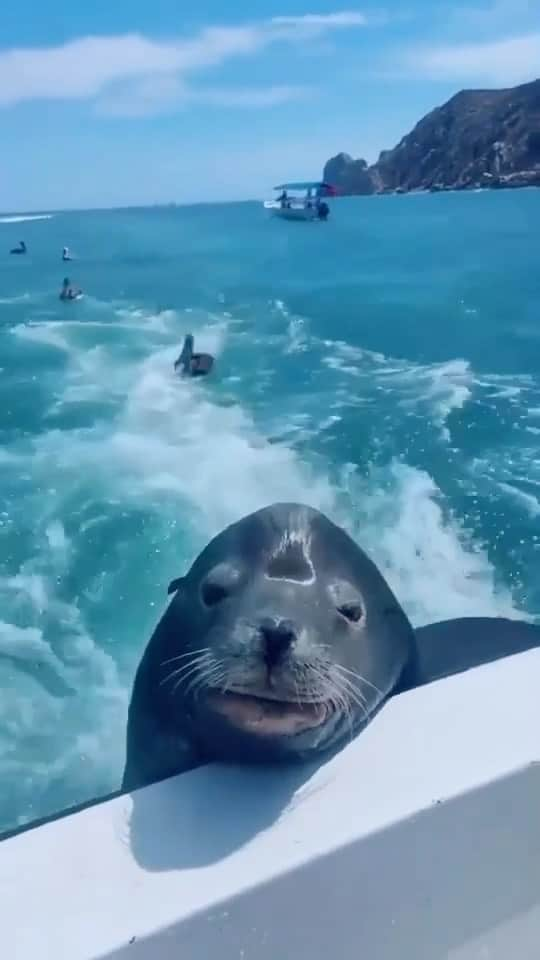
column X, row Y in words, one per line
column 154, row 755
column 454, row 646
column 153, row 752
column 157, row 742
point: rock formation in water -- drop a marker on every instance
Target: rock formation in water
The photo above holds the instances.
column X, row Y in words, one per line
column 479, row 138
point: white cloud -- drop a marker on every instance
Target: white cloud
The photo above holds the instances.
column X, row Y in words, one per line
column 145, row 96
column 502, row 62
column 346, row 18
column 80, row 69
column 87, row 67
column 154, row 95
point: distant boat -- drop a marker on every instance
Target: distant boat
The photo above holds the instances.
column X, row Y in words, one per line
column 301, row 201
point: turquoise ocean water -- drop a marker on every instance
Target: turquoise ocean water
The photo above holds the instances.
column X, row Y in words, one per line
column 384, row 367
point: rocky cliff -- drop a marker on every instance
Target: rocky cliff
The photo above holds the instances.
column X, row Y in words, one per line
column 479, row 138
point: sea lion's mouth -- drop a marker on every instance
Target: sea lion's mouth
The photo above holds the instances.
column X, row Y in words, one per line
column 267, row 717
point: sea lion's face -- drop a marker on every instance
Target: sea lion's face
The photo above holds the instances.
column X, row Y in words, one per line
column 294, row 636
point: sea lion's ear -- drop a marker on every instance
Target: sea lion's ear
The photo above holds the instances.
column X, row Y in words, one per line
column 175, row 585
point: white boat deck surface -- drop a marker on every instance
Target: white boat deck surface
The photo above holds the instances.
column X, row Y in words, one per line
column 419, row 841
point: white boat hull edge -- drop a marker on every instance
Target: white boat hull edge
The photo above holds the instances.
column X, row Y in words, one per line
column 298, row 212
column 420, row 840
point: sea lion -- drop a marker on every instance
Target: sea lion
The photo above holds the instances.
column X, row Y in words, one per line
column 193, row 364
column 281, row 643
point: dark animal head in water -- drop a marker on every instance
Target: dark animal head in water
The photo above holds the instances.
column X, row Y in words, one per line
column 283, row 637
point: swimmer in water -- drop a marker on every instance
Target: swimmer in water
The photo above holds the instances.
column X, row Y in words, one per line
column 66, row 254
column 20, row 249
column 193, row 364
column 68, row 292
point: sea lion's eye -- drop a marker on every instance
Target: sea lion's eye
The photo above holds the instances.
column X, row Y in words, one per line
column 213, row 593
column 219, row 584
column 351, row 611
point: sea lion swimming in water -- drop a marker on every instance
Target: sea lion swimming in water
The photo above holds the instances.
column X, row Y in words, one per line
column 68, row 292
column 193, row 364
column 281, row 643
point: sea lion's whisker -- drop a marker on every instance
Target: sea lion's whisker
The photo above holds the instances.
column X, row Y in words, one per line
column 311, row 692
column 197, row 666
column 228, row 680
column 175, row 673
column 186, row 666
column 353, row 673
column 347, row 684
column 196, row 661
column 194, row 671
column 327, row 689
column 358, row 676
column 343, row 703
column 216, row 676
column 181, row 656
column 210, row 675
column 360, row 704
column 355, row 697
column 347, row 693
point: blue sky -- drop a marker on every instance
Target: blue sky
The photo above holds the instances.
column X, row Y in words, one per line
column 129, row 101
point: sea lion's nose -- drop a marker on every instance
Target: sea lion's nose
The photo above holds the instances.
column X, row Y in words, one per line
column 278, row 636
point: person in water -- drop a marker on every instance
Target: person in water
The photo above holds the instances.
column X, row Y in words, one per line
column 20, row 249
column 193, row 364
column 66, row 254
column 68, row 292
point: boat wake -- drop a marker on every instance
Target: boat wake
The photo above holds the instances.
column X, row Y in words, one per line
column 124, row 471
column 22, row 218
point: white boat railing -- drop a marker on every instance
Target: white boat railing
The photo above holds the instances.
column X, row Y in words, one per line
column 419, row 841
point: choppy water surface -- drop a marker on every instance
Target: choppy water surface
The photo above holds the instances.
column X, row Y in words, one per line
column 384, row 367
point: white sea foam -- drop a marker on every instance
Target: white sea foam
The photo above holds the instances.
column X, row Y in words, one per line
column 9, row 301
column 43, row 332
column 59, row 691
column 22, row 218
column 448, row 388
column 121, row 506
column 435, row 390
column 172, row 441
column 296, row 332
column 530, row 503
column 432, row 564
